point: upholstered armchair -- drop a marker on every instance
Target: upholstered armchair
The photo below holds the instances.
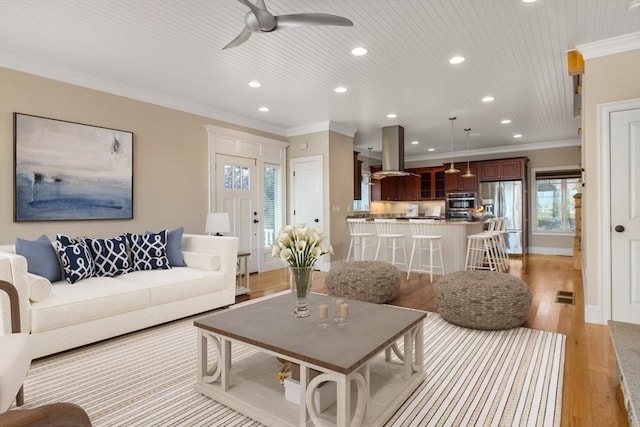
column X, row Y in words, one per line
column 15, row 357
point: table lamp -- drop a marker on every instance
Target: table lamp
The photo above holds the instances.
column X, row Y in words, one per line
column 217, row 222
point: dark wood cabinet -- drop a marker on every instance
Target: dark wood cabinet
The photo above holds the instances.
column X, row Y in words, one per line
column 456, row 182
column 504, row 169
column 408, row 187
column 430, row 183
column 385, row 189
column 357, row 177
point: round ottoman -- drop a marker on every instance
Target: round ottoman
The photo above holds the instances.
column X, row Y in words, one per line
column 483, row 299
column 370, row 281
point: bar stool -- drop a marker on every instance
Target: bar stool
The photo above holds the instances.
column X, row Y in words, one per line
column 481, row 250
column 358, row 236
column 385, row 232
column 500, row 231
column 421, row 233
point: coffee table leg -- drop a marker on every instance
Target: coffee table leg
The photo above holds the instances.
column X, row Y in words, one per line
column 225, row 361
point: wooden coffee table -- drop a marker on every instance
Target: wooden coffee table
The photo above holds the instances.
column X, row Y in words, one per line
column 359, row 355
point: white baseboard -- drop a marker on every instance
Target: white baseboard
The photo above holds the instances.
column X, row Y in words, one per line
column 593, row 314
column 550, row 251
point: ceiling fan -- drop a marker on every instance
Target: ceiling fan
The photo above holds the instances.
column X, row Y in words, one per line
column 260, row 20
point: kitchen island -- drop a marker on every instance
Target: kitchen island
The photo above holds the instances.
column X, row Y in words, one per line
column 454, row 242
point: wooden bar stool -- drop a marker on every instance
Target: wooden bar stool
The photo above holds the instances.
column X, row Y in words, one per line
column 385, row 233
column 358, row 236
column 422, row 234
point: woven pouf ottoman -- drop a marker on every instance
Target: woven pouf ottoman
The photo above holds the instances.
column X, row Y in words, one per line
column 370, row 281
column 487, row 300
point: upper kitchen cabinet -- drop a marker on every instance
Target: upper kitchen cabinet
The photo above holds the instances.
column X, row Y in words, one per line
column 456, row 182
column 504, row 169
column 357, row 177
column 385, row 189
column 431, row 183
column 408, row 187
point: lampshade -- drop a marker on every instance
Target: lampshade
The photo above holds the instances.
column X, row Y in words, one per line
column 452, row 168
column 217, row 222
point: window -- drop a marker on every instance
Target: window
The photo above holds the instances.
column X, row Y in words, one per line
column 236, row 177
column 554, row 203
column 272, row 203
column 365, row 188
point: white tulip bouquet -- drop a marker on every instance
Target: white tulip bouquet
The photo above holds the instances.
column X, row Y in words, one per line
column 300, row 245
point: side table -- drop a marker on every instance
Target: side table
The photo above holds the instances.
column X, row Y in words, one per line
column 242, row 274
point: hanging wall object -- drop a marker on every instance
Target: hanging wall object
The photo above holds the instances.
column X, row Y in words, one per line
column 71, row 171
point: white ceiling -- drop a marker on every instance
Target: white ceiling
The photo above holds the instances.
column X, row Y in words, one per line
column 170, row 52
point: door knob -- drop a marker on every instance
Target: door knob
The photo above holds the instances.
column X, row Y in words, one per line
column 619, row 228
column 316, row 220
column 255, row 221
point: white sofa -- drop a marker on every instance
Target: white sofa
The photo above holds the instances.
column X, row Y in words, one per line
column 60, row 316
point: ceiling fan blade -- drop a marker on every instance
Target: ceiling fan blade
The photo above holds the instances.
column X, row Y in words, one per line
column 309, row 19
column 266, row 21
column 242, row 37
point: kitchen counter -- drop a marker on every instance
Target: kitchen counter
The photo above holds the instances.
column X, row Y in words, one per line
column 454, row 242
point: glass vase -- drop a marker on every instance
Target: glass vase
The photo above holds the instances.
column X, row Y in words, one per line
column 300, row 285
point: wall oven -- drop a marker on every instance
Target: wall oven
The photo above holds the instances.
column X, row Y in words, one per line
column 459, row 204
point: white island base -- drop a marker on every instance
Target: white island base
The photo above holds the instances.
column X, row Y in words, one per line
column 454, row 243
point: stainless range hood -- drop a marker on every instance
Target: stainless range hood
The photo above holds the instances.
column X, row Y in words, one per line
column 392, row 153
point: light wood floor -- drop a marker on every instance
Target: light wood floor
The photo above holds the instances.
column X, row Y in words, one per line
column 590, row 392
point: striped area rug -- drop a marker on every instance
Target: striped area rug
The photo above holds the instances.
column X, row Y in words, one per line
column 481, row 378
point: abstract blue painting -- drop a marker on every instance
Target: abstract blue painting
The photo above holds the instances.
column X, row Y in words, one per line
column 71, row 171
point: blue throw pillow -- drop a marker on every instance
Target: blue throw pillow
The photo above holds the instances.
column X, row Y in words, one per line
column 149, row 251
column 41, row 257
column 110, row 256
column 75, row 255
column 174, row 247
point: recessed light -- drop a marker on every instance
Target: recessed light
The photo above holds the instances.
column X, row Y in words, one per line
column 264, row 109
column 415, row 142
column 517, row 135
column 505, row 121
column 474, row 134
column 340, row 89
column 359, row 51
column 529, row 1
column 255, row 84
column 456, row 60
column 488, row 98
column 431, row 149
column 391, row 116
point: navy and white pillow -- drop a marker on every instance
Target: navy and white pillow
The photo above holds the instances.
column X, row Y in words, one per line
column 77, row 262
column 149, row 251
column 110, row 256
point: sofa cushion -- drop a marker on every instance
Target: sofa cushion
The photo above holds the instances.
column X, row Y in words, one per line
column 174, row 247
column 89, row 299
column 110, row 256
column 39, row 287
column 166, row 286
column 76, row 258
column 149, row 251
column 41, row 257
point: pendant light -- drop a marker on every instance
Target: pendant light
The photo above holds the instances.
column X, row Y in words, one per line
column 468, row 173
column 452, row 169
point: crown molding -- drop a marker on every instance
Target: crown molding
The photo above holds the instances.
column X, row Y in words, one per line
column 337, row 127
column 610, row 46
column 497, row 150
column 73, row 77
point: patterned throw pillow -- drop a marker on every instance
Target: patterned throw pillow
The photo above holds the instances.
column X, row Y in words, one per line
column 110, row 256
column 75, row 255
column 149, row 251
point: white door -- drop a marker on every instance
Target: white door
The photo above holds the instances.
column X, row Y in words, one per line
column 308, row 191
column 625, row 216
column 237, row 194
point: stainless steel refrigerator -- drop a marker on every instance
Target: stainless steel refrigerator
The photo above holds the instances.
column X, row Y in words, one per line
column 508, row 199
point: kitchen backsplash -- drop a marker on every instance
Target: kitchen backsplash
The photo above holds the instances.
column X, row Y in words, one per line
column 400, row 208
